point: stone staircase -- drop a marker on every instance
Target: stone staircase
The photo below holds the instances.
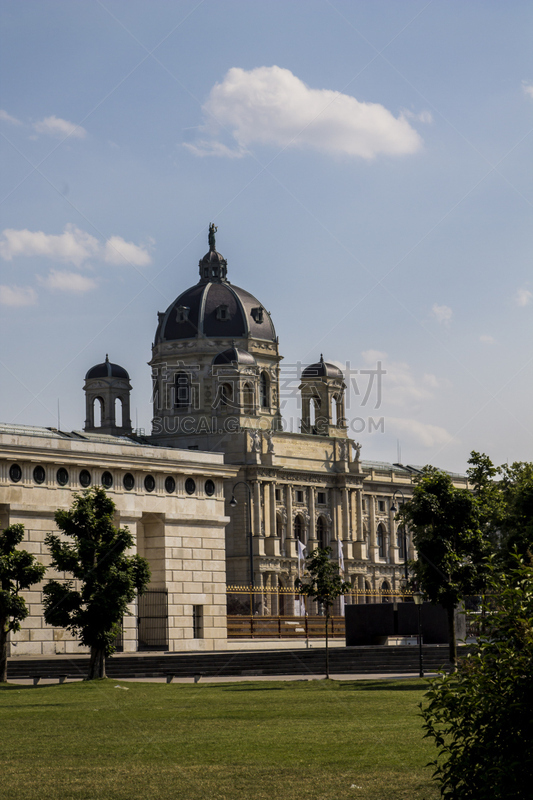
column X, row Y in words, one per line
column 348, row 660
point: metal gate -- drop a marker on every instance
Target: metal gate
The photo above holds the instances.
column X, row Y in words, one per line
column 152, row 622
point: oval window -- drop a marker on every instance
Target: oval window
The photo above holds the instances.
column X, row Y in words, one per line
column 129, row 481
column 170, row 484
column 107, row 480
column 149, row 483
column 209, row 488
column 62, row 476
column 39, row 474
column 15, row 473
column 85, row 478
column 190, row 486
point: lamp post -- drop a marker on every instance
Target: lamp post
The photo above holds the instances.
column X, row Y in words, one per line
column 394, row 509
column 418, row 597
column 233, row 503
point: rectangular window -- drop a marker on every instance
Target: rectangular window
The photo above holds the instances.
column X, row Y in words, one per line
column 198, row 622
column 299, row 496
column 321, row 498
column 381, row 505
column 278, row 495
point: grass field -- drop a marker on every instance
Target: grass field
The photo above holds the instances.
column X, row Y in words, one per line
column 316, row 740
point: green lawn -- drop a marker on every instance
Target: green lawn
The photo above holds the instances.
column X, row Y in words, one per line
column 316, row 740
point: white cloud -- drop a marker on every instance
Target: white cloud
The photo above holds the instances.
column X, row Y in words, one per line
column 487, row 339
column 523, row 297
column 8, row 118
column 442, row 314
column 423, row 116
column 55, row 126
column 118, row 251
column 527, row 88
column 400, row 387
column 17, row 296
column 67, row 281
column 270, row 105
column 420, row 432
column 73, row 246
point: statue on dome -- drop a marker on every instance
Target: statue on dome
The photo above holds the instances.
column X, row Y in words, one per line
column 211, row 238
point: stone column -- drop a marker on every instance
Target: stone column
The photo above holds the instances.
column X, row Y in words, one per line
column 359, row 514
column 373, row 548
column 257, row 508
column 273, row 508
column 312, row 520
column 345, row 514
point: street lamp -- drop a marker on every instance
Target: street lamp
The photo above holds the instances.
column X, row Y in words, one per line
column 418, row 597
column 233, row 503
column 394, row 509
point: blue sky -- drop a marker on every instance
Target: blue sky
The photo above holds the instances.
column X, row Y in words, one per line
column 369, row 169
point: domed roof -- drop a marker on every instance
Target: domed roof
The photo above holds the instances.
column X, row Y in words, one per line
column 234, row 355
column 322, row 369
column 107, row 370
column 214, row 308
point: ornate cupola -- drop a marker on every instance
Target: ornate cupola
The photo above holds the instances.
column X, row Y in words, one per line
column 323, row 406
column 213, row 266
column 107, row 399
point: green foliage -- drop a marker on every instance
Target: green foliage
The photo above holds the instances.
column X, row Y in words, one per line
column 481, row 717
column 504, row 496
column 447, row 534
column 18, row 570
column 106, row 579
column 323, row 584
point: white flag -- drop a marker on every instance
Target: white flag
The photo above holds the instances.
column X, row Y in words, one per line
column 301, row 554
column 341, row 556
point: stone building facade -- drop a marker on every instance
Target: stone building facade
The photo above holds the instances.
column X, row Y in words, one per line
column 218, row 493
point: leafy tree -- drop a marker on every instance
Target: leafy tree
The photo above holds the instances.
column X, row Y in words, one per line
column 451, row 547
column 323, row 584
column 504, row 496
column 481, row 717
column 107, row 579
column 18, row 570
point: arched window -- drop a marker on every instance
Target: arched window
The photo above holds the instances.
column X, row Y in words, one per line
column 385, row 588
column 299, row 528
column 381, row 541
column 400, row 540
column 118, row 412
column 248, row 398
column 182, row 390
column 98, row 412
column 368, row 597
column 322, row 532
column 279, row 526
column 264, row 390
column 226, row 395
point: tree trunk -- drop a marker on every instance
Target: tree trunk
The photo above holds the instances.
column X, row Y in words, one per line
column 3, row 653
column 96, row 664
column 452, row 641
column 327, row 648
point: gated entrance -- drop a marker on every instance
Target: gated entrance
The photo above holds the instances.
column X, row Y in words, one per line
column 152, row 622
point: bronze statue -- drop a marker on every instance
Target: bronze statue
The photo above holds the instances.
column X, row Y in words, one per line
column 211, row 237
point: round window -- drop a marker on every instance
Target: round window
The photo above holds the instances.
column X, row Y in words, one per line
column 170, row 484
column 129, row 481
column 107, row 480
column 85, row 478
column 39, row 474
column 149, row 483
column 209, row 488
column 62, row 476
column 15, row 473
column 190, row 486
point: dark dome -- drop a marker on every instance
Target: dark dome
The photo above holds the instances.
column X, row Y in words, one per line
column 322, row 370
column 215, row 310
column 107, row 370
column 234, row 355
